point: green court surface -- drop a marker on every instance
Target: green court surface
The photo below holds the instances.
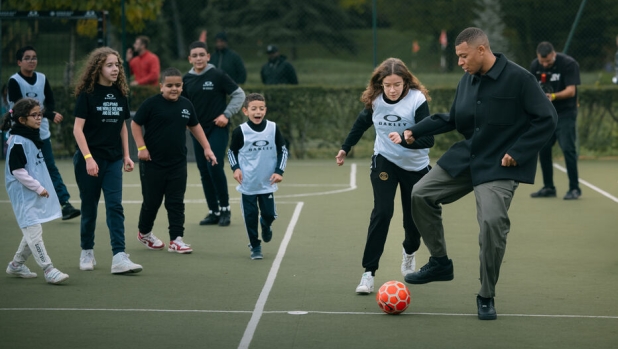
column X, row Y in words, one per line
column 558, row 285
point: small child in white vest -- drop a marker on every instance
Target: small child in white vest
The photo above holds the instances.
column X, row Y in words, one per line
column 26, row 179
column 258, row 157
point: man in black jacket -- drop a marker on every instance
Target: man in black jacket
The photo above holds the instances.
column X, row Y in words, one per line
column 228, row 60
column 505, row 118
column 278, row 70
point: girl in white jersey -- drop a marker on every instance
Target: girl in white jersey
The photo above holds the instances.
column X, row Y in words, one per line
column 394, row 100
column 27, row 182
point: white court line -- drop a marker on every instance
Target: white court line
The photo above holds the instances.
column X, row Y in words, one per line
column 351, row 186
column 598, row 190
column 555, row 316
column 270, row 280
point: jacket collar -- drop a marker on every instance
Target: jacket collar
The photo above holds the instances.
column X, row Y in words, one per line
column 495, row 71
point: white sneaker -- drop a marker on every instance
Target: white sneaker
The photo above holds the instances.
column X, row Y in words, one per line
column 122, row 264
column 408, row 264
column 86, row 260
column 21, row 271
column 55, row 276
column 150, row 241
column 179, row 246
column 366, row 284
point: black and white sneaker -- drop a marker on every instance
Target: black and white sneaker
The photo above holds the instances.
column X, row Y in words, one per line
column 211, row 219
column 69, row 212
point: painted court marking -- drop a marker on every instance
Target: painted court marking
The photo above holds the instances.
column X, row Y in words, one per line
column 309, row 312
column 595, row 188
column 351, row 186
column 270, row 280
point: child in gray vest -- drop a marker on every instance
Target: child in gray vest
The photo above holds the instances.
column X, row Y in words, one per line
column 27, row 181
column 258, row 157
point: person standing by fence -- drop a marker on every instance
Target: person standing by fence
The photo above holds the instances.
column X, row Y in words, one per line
column 228, row 60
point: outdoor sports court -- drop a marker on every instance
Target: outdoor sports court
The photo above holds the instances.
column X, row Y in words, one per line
column 557, row 288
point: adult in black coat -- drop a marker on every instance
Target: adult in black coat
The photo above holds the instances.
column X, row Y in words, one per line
column 506, row 119
column 278, row 70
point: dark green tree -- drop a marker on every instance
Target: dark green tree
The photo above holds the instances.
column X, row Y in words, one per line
column 286, row 22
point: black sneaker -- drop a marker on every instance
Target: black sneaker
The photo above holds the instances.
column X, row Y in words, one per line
column 432, row 271
column 224, row 218
column 69, row 212
column 486, row 311
column 545, row 192
column 573, row 194
column 267, row 233
column 211, row 219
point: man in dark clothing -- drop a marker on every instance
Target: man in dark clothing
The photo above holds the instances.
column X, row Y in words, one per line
column 560, row 74
column 228, row 60
column 506, row 119
column 278, row 70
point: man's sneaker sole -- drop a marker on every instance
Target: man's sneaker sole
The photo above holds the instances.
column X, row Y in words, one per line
column 411, row 279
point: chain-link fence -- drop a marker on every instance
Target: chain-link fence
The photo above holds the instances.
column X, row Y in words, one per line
column 333, row 42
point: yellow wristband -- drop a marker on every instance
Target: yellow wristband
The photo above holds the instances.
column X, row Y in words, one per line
column 142, row 148
column 553, row 96
column 87, row 156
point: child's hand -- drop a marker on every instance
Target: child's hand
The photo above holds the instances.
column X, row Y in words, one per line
column 58, row 118
column 144, row 155
column 395, row 137
column 92, row 168
column 221, row 120
column 44, row 193
column 238, row 175
column 210, row 156
column 128, row 164
column 340, row 157
column 275, row 178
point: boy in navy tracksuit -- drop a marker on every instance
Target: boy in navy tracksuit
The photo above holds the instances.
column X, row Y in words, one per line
column 258, row 157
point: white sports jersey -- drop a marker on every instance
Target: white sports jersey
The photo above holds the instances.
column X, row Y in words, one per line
column 257, row 160
column 36, row 91
column 397, row 117
column 29, row 207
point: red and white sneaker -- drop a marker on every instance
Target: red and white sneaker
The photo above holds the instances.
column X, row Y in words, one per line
column 179, row 246
column 150, row 240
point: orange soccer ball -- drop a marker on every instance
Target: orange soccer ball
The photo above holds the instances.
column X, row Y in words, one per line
column 393, row 297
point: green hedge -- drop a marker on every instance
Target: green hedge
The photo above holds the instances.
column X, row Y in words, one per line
column 315, row 120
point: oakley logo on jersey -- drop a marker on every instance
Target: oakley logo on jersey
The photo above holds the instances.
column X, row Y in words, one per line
column 392, row 120
column 185, row 113
column 31, row 94
column 39, row 158
column 260, row 145
column 208, row 85
column 110, row 96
